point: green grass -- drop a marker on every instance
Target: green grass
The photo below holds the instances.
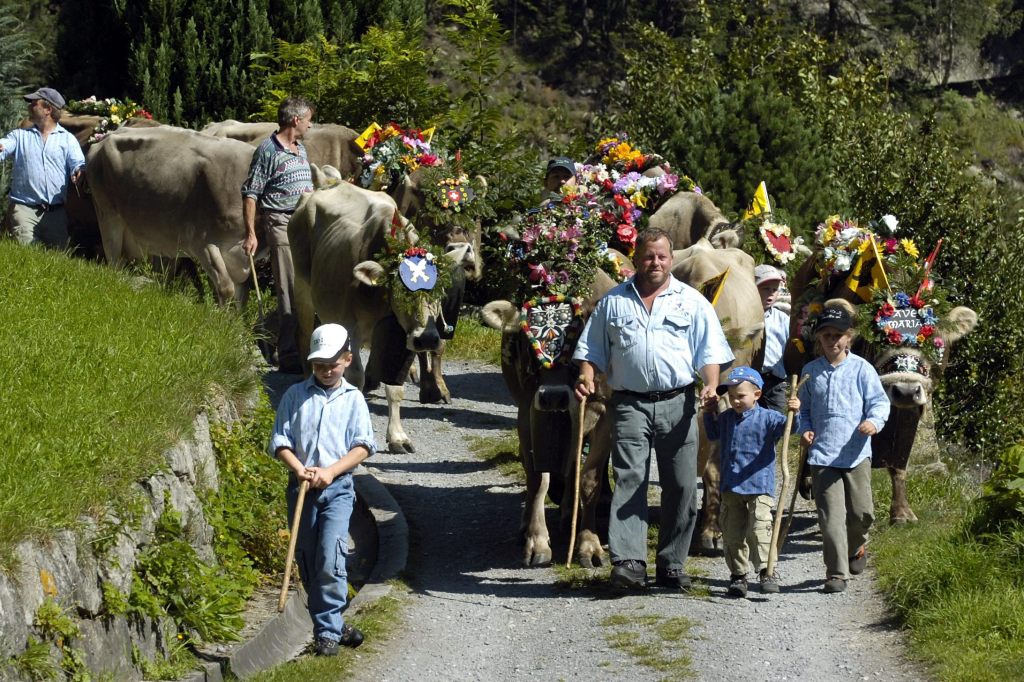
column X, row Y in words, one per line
column 501, row 452
column 959, row 596
column 377, row 622
column 474, row 341
column 99, row 379
column 653, row 641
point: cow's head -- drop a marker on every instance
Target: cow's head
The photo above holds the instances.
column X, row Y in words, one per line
column 419, row 321
column 538, row 339
column 907, row 374
column 449, row 227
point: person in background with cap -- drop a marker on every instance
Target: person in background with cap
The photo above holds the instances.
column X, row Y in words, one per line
column 279, row 175
column 46, row 157
column 561, row 170
column 748, row 434
column 653, row 336
column 770, row 283
column 842, row 404
column 322, row 432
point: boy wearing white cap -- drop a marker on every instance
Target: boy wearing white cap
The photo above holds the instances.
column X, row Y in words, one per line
column 770, row 283
column 748, row 434
column 322, row 432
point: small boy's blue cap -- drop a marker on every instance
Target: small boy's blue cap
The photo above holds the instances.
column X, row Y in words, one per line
column 737, row 375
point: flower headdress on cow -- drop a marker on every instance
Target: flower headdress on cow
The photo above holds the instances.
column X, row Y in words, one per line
column 452, row 199
column 417, row 269
column 900, row 304
column 390, row 152
column 548, row 269
column 113, row 112
column 619, row 198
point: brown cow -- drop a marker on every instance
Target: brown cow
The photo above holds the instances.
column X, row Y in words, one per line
column 327, row 144
column 739, row 310
column 689, row 216
column 907, row 377
column 334, row 235
column 546, row 438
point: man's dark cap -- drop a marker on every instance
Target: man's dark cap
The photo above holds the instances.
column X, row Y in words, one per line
column 48, row 95
column 563, row 162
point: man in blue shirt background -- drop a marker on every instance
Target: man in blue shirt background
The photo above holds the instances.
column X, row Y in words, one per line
column 46, row 157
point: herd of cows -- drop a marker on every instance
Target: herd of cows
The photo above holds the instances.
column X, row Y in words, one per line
column 162, row 191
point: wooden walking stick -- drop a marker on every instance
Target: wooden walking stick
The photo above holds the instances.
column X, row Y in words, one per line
column 256, row 283
column 792, row 499
column 291, row 546
column 773, row 550
column 576, row 488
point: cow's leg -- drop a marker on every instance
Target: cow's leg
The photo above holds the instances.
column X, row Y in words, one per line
column 112, row 236
column 534, row 529
column 433, row 388
column 588, row 544
column 213, row 263
column 398, row 442
column 900, row 511
column 709, row 464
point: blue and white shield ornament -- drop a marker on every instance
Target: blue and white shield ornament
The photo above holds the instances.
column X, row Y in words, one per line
column 418, row 273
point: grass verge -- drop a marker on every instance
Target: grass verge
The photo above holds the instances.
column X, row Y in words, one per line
column 654, row 641
column 378, row 622
column 100, row 378
column 960, row 596
column 474, row 341
column 501, row 452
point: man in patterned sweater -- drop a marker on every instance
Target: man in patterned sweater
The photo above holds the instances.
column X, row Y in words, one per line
column 278, row 176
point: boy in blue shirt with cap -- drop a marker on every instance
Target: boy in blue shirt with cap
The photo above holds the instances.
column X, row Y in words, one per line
column 322, row 432
column 748, row 434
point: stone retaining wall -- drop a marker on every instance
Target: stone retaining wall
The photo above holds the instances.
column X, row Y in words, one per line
column 69, row 569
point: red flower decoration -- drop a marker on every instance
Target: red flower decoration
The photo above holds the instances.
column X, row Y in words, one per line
column 415, row 251
column 927, row 330
column 891, row 245
column 887, row 310
column 916, row 301
column 626, row 233
column 894, row 336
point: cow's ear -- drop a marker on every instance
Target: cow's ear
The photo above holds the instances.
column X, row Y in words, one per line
column 369, row 272
column 960, row 322
column 500, row 315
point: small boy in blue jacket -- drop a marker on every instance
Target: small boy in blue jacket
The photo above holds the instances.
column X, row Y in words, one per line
column 748, row 434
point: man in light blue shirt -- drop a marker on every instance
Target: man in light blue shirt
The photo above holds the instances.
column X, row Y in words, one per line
column 46, row 157
column 652, row 336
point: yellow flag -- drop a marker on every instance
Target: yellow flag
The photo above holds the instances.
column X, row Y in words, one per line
column 760, row 204
column 365, row 137
column 428, row 134
column 868, row 273
column 712, row 288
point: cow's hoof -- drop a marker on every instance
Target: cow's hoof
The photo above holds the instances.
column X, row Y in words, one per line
column 537, row 553
column 539, row 560
column 432, row 395
column 401, row 448
column 902, row 520
column 709, row 547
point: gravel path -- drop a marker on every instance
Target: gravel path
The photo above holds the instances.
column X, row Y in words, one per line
column 476, row 614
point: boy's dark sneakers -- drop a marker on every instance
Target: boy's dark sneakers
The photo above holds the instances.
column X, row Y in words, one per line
column 673, row 579
column 859, row 561
column 326, row 647
column 351, row 636
column 738, row 585
column 629, row 574
column 834, row 585
column 769, row 583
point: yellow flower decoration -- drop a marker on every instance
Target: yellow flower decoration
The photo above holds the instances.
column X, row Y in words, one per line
column 909, row 247
column 829, row 235
column 639, row 199
column 607, row 140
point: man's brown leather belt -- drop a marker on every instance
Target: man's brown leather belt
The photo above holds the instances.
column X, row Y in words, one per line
column 657, row 396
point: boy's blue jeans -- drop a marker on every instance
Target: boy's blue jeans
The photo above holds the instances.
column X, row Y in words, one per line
column 321, row 551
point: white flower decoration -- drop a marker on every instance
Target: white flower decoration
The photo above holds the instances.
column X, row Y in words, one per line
column 890, row 222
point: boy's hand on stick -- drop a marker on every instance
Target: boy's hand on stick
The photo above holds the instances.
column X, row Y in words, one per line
column 807, row 438
column 794, row 404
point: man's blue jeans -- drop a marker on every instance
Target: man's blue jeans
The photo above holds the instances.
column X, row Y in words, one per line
column 322, row 549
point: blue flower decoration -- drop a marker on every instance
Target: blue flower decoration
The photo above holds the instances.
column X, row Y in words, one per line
column 902, row 300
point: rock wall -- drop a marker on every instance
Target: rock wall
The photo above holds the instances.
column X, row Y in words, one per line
column 72, row 567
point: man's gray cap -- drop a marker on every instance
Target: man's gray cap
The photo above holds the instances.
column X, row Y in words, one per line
column 49, row 95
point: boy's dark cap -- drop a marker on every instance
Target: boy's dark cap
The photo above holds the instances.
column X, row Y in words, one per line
column 562, row 162
column 837, row 318
column 48, row 95
column 737, row 375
